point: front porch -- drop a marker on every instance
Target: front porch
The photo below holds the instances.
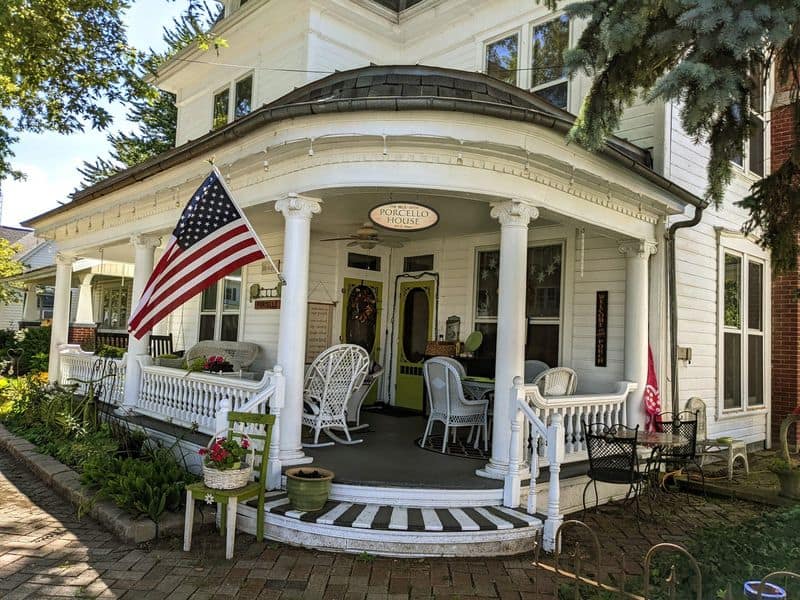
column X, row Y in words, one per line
column 543, row 249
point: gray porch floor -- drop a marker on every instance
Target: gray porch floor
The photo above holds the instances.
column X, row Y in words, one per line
column 389, row 457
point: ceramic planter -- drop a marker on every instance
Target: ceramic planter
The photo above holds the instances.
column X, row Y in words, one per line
column 308, row 487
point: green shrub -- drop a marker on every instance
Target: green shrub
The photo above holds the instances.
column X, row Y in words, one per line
column 33, row 342
column 145, row 486
column 110, row 351
column 7, row 340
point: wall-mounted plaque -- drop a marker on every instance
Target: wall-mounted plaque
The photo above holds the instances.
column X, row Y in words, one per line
column 403, row 216
column 320, row 329
column 601, row 330
column 266, row 304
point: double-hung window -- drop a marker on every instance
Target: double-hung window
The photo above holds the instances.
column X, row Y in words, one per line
column 548, row 75
column 542, row 301
column 224, row 111
column 502, row 59
column 544, row 48
column 743, row 323
column 753, row 160
column 220, row 307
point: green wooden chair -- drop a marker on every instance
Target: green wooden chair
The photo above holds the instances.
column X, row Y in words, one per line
column 228, row 500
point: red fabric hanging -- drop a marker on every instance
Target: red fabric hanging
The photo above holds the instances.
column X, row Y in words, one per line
column 652, row 397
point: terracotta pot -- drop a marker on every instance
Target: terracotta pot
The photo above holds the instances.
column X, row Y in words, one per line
column 308, row 493
column 790, row 483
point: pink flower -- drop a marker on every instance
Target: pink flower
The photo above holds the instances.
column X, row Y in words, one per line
column 202, row 451
column 245, row 444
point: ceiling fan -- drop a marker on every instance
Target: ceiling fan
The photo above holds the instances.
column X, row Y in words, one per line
column 367, row 237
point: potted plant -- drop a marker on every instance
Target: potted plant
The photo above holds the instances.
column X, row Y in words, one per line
column 308, row 487
column 226, row 464
column 173, row 361
column 787, row 469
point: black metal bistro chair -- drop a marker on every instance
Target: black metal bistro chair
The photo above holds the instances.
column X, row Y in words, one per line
column 613, row 459
column 680, row 457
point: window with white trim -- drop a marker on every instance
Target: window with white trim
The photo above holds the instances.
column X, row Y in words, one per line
column 543, row 49
column 753, row 160
column 115, row 305
column 542, row 301
column 220, row 309
column 549, row 79
column 743, row 320
column 224, row 111
column 502, row 59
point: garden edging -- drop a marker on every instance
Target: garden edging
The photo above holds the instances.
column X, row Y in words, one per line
column 66, row 483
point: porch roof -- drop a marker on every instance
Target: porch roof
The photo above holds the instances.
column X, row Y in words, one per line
column 385, row 88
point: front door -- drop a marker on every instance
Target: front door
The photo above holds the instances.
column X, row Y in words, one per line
column 361, row 320
column 416, row 304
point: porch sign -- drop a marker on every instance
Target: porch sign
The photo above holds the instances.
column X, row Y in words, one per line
column 601, row 329
column 402, row 216
column 320, row 329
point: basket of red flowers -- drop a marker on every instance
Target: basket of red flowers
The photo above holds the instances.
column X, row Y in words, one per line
column 226, row 464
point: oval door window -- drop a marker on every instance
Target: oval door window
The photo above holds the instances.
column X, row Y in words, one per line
column 415, row 325
column 362, row 312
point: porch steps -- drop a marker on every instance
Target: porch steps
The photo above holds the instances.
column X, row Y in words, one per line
column 397, row 530
column 401, row 518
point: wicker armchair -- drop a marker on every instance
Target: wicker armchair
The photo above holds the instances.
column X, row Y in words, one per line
column 447, row 402
column 558, row 381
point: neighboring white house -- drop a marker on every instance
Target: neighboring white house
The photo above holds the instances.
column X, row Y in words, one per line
column 310, row 138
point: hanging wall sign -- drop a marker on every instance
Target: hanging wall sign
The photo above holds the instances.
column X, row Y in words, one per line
column 601, row 329
column 402, row 216
column 319, row 330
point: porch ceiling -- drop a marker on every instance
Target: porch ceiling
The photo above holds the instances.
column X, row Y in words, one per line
column 346, row 209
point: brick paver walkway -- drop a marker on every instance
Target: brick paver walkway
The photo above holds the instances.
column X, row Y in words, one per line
column 46, row 551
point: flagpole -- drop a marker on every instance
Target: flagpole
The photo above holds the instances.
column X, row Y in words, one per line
column 228, row 191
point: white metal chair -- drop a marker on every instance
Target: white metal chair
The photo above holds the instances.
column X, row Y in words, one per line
column 558, row 381
column 533, row 368
column 447, row 402
column 724, row 449
column 330, row 382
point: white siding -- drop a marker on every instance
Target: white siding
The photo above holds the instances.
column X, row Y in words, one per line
column 697, row 284
column 604, row 270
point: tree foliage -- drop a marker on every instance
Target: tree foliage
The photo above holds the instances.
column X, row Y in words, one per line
column 8, row 268
column 61, row 61
column 704, row 55
column 154, row 114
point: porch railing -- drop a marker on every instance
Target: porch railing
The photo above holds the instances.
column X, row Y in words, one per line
column 76, row 367
column 607, row 408
column 550, row 436
column 203, row 401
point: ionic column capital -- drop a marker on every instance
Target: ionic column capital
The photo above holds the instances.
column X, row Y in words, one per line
column 514, row 213
column 145, row 240
column 302, row 207
column 637, row 248
column 64, row 259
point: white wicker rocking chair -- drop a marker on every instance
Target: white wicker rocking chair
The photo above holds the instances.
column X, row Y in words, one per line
column 330, row 382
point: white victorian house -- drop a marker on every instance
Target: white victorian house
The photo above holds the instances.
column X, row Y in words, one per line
column 320, row 111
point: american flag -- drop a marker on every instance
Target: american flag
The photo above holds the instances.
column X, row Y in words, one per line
column 212, row 239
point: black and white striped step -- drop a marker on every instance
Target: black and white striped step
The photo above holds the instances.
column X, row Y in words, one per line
column 399, row 518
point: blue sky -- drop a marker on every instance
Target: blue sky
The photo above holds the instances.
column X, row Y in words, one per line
column 50, row 160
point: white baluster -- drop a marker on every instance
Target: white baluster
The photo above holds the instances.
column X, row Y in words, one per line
column 555, row 454
column 275, row 405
